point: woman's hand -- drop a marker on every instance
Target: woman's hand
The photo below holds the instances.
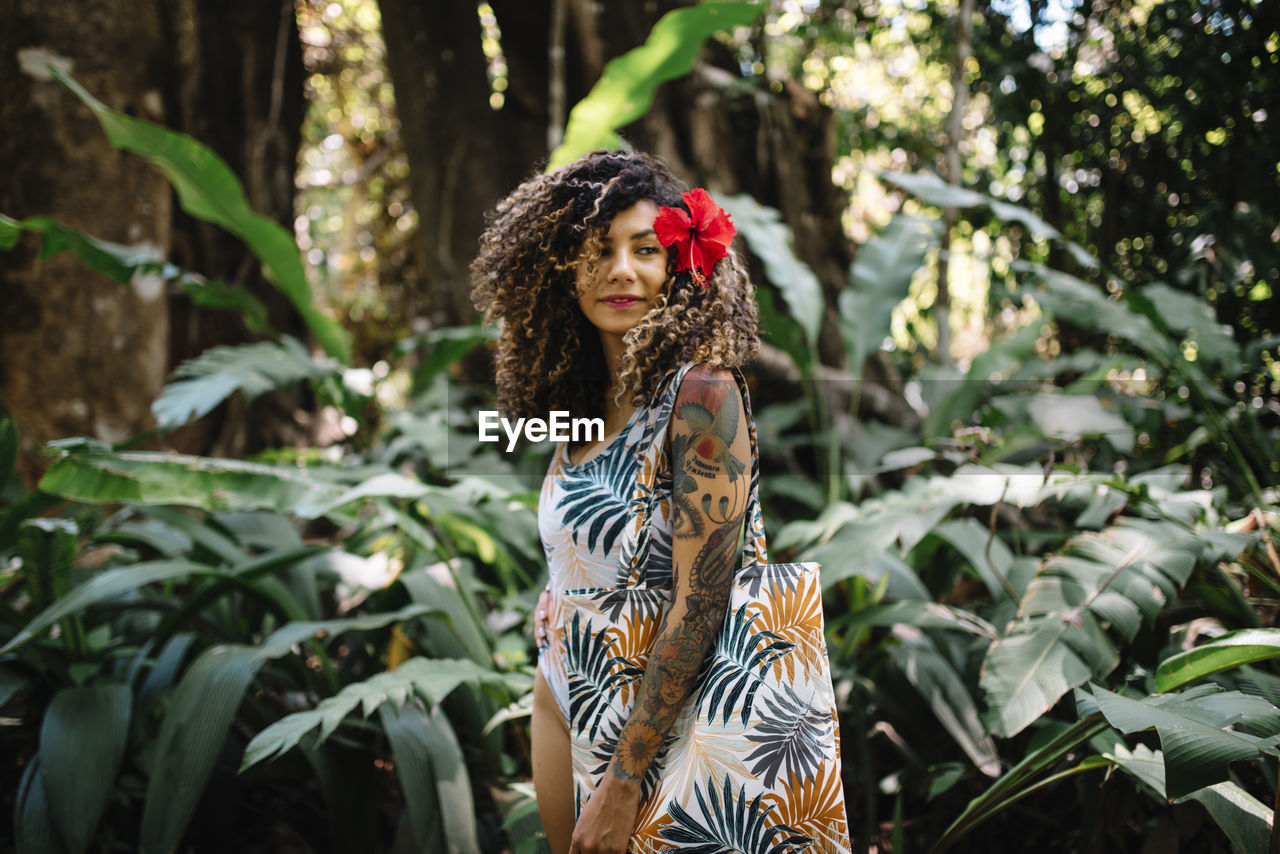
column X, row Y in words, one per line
column 541, row 619
column 608, row 818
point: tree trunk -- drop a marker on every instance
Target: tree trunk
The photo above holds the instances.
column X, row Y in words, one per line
column 230, row 75
column 463, row 155
column 238, row 88
column 79, row 354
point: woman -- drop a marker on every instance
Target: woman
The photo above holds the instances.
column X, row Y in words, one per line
column 603, row 287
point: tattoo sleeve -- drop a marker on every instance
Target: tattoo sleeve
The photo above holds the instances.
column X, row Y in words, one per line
column 710, row 451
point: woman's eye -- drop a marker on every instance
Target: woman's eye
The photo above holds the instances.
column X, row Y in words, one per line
column 648, row 250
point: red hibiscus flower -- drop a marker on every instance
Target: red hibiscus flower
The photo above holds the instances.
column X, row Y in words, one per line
column 699, row 238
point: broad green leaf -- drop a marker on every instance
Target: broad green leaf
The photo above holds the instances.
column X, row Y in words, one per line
column 433, row 776
column 90, row 473
column 440, row 348
column 208, row 190
column 431, row 679
column 82, row 740
column 1195, row 317
column 627, row 86
column 1196, row 748
column 944, row 692
column 203, row 705
column 200, row 384
column 103, row 587
column 879, row 280
column 770, row 239
column 1099, row 583
column 1231, row 650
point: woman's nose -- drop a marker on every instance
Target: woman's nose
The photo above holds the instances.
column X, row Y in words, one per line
column 621, row 268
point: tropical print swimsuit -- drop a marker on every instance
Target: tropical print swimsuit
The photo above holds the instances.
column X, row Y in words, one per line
column 582, row 512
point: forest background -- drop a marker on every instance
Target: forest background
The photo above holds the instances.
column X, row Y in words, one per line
column 260, row 590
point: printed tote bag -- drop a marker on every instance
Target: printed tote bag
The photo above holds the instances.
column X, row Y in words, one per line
column 752, row 764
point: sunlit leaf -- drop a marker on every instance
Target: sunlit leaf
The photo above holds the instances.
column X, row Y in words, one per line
column 208, row 190
column 626, row 87
column 1231, row 650
column 879, row 280
column 200, row 384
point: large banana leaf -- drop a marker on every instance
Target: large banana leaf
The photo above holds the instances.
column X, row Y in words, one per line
column 770, row 240
column 82, row 740
column 208, row 190
column 1099, row 583
column 34, row 830
column 879, row 279
column 1196, row 745
column 86, row 471
column 203, row 706
column 431, row 679
column 202, row 383
column 627, row 86
column 1231, row 650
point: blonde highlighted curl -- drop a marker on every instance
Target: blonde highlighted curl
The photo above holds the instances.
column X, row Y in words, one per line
column 549, row 355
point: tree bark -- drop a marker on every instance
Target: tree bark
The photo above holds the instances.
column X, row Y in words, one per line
column 79, row 353
column 463, row 155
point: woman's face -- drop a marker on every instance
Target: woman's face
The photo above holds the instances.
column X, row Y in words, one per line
column 629, row 275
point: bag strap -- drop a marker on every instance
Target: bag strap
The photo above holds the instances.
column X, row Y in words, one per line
column 649, row 451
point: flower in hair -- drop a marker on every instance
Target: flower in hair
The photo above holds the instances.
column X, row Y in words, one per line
column 700, row 237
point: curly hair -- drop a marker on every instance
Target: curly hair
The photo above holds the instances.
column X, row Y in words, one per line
column 549, row 355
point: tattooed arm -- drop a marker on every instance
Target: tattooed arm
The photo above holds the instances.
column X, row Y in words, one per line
column 710, row 454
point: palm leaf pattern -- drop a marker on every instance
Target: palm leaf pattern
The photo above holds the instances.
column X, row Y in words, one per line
column 597, row 499
column 815, row 808
column 796, row 614
column 737, row 668
column 646, row 602
column 733, row 825
column 595, row 675
column 791, row 734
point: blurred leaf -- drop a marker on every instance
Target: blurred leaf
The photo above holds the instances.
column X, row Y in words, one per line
column 879, row 280
column 626, row 87
column 931, row 189
column 200, row 384
column 433, row 776
column 770, row 239
column 1195, row 317
column 986, row 553
column 82, row 741
column 102, row 587
column 210, row 191
column 921, row 614
column 1071, row 417
column 34, row 830
column 1231, row 650
column 441, row 348
column 8, row 449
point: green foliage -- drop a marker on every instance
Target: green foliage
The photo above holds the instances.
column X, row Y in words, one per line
column 627, row 85
column 202, row 383
column 208, row 190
